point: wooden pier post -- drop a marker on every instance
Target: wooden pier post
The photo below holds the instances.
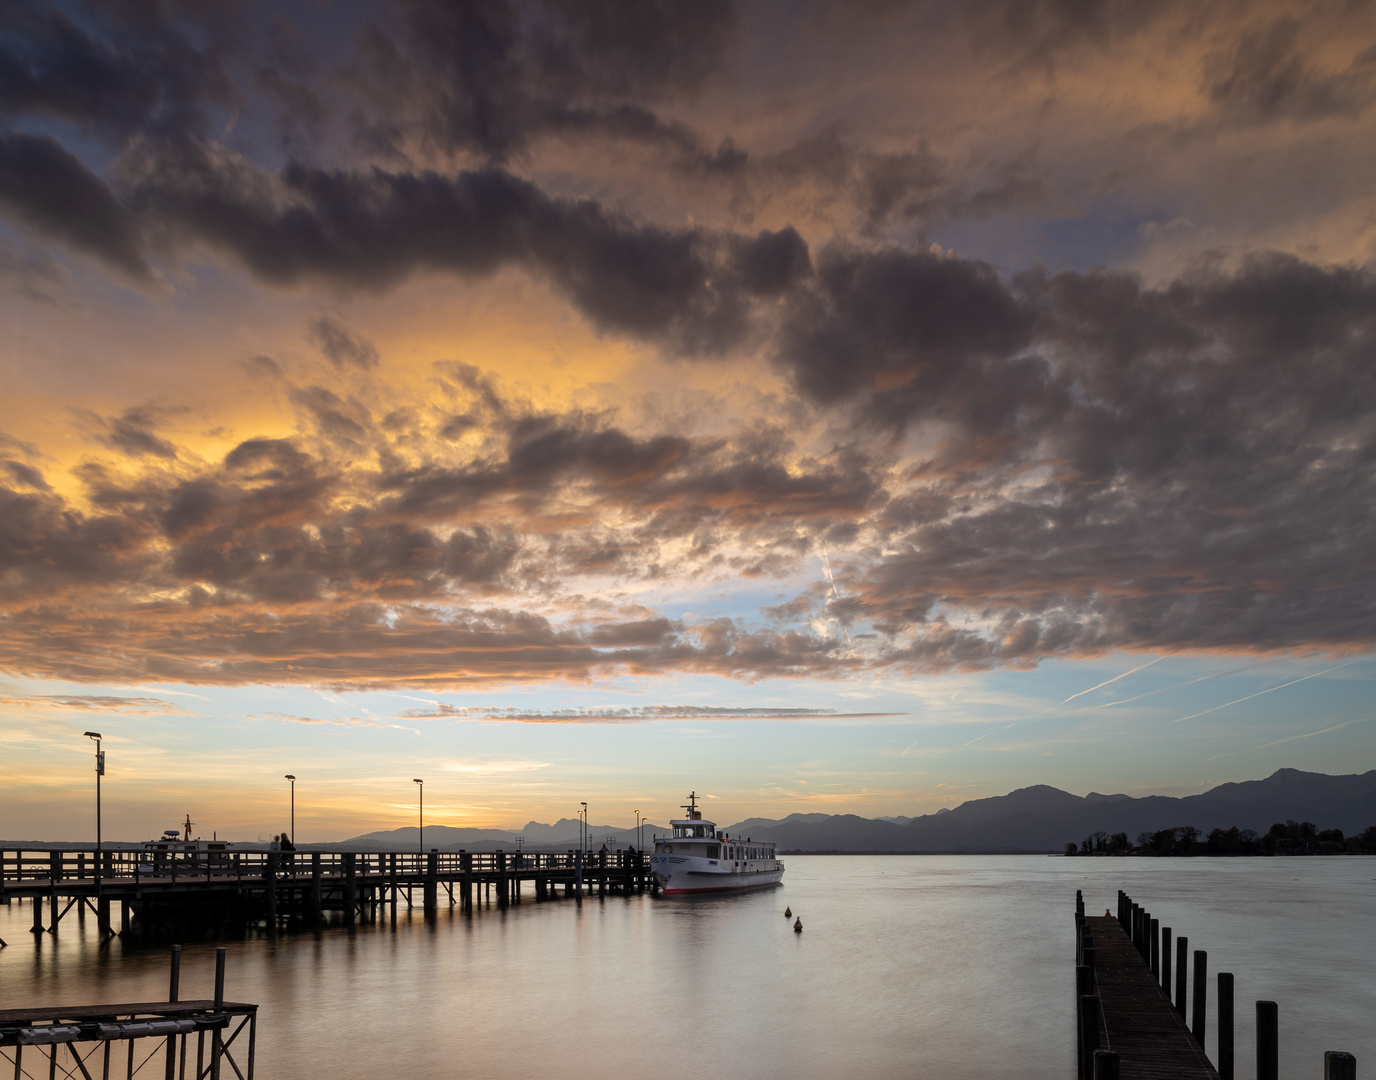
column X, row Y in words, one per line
column 503, row 880
column 1225, row 1026
column 1268, row 1041
column 1339, row 1065
column 54, row 876
column 1182, row 960
column 578, row 874
column 350, row 889
column 432, row 871
column 1084, row 986
column 173, row 989
column 216, row 1037
column 37, row 915
column 1201, row 995
column 1105, row 1065
column 316, row 897
column 466, row 889
column 1089, row 1032
column 270, row 883
column 1166, row 960
column 1154, row 932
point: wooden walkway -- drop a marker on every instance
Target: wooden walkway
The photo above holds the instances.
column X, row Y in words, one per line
column 1139, row 1023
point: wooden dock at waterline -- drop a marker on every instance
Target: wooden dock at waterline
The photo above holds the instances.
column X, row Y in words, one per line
column 202, row 889
column 1128, row 1026
column 114, row 1041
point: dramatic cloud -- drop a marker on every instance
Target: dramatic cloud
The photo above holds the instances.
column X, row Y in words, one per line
column 914, row 377
column 632, row 715
column 97, row 703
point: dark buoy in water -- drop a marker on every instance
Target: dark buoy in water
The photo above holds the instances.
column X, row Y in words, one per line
column 788, row 913
column 798, row 926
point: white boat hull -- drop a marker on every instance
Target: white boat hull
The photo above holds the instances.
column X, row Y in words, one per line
column 683, row 879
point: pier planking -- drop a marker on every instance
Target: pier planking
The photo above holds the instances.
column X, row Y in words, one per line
column 1139, row 1023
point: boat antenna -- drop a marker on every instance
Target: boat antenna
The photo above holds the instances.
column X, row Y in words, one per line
column 692, row 806
column 189, row 823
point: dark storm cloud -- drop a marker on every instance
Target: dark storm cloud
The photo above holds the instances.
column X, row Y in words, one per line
column 489, row 76
column 119, row 70
column 373, row 229
column 1265, row 75
column 49, row 190
column 341, row 345
column 1115, row 466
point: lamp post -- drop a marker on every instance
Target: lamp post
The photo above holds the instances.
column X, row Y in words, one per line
column 422, row 814
column 100, row 771
column 583, row 833
column 293, row 807
column 639, row 835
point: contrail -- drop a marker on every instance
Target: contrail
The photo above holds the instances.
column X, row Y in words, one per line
column 1249, row 697
column 1177, row 686
column 985, row 736
column 1311, row 734
column 1115, row 678
column 826, row 566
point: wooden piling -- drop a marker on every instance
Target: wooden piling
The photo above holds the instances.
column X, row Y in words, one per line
column 1182, row 960
column 216, row 1038
column 1155, row 940
column 1201, row 995
column 466, row 889
column 1166, row 960
column 1089, row 1032
column 1084, row 986
column 1268, row 1041
column 432, row 870
column 54, row 876
column 270, row 885
column 1225, row 1026
column 317, row 899
column 1339, row 1065
column 1105, row 1065
column 503, row 881
column 350, row 888
column 173, row 990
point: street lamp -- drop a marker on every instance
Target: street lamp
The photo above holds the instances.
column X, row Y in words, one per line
column 293, row 807
column 583, row 833
column 639, row 836
column 422, row 814
column 100, row 771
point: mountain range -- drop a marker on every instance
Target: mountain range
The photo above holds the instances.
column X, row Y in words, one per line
column 1031, row 819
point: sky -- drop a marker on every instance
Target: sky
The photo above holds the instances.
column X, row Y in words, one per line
column 851, row 408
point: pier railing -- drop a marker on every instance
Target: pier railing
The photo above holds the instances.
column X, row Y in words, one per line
column 198, row 887
column 21, row 868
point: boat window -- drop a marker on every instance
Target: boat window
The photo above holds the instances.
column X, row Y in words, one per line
column 714, row 851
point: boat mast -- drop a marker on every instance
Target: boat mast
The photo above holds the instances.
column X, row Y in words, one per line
column 692, row 806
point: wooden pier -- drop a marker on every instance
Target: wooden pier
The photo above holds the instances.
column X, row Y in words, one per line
column 199, row 889
column 1128, row 1025
column 114, row 1041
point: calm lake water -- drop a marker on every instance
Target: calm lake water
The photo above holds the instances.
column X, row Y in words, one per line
column 908, row 966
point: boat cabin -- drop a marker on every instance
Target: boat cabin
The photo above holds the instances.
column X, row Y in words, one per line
column 695, row 836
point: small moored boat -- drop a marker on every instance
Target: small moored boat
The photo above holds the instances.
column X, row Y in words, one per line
column 699, row 858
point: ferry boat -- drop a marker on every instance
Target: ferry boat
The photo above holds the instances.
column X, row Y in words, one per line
column 700, row 858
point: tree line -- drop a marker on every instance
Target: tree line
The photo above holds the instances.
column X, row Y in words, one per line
column 1282, row 838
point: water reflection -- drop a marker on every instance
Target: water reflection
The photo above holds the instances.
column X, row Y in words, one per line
column 918, row 966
